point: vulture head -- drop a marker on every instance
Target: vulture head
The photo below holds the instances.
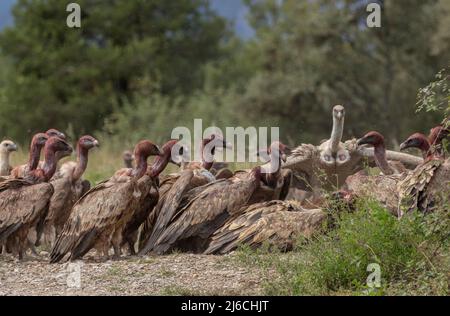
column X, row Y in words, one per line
column 7, row 146
column 215, row 141
column 173, row 152
column 277, row 151
column 128, row 158
column 142, row 151
column 419, row 141
column 55, row 133
column 145, row 149
column 88, row 142
column 39, row 140
column 338, row 113
column 57, row 145
column 209, row 146
column 437, row 136
column 373, row 138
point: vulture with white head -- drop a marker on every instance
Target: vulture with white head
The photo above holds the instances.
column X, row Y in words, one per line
column 98, row 218
column 24, row 201
column 6, row 148
column 328, row 165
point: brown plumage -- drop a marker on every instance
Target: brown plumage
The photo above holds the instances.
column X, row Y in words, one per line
column 37, row 143
column 69, row 187
column 201, row 214
column 150, row 199
column 24, row 202
column 427, row 186
column 174, row 188
column 436, row 138
column 98, row 218
column 382, row 188
column 276, row 223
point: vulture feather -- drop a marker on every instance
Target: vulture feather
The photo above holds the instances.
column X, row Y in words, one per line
column 69, row 187
column 199, row 215
column 6, row 148
column 24, row 201
column 98, row 218
column 275, row 223
column 174, row 187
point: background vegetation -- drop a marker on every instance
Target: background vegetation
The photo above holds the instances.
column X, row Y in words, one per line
column 137, row 68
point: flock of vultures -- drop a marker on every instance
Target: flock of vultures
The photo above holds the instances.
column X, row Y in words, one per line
column 205, row 207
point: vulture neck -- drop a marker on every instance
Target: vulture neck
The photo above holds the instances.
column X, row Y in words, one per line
column 35, row 153
column 272, row 177
column 141, row 167
column 82, row 161
column 336, row 134
column 380, row 159
column 50, row 163
column 4, row 162
column 427, row 153
column 205, row 164
column 159, row 165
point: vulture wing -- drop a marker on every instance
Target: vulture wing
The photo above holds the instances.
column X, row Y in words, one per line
column 22, row 203
column 414, row 188
column 206, row 211
column 172, row 192
column 97, row 211
column 275, row 223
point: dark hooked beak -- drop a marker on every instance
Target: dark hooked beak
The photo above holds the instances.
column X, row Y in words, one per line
column 404, row 145
column 227, row 145
column 362, row 141
column 96, row 143
column 13, row 147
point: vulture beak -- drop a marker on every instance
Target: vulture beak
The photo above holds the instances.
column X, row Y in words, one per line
column 227, row 145
column 283, row 157
column 159, row 151
column 96, row 143
column 362, row 141
column 404, row 145
column 13, row 147
column 339, row 115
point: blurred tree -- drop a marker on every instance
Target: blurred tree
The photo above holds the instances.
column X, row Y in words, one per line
column 63, row 75
column 314, row 54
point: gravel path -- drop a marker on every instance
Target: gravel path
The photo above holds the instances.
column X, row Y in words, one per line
column 176, row 274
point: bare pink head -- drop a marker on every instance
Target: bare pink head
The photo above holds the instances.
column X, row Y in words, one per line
column 420, row 141
column 55, row 133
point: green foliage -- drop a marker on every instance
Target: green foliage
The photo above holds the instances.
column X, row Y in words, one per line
column 413, row 254
column 436, row 96
column 77, row 76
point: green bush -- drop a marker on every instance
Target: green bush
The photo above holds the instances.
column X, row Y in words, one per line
column 413, row 254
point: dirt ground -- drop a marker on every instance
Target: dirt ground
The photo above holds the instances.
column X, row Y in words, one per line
column 176, row 274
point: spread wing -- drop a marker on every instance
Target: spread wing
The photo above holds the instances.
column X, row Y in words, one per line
column 275, row 223
column 206, row 211
column 22, row 203
column 99, row 209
